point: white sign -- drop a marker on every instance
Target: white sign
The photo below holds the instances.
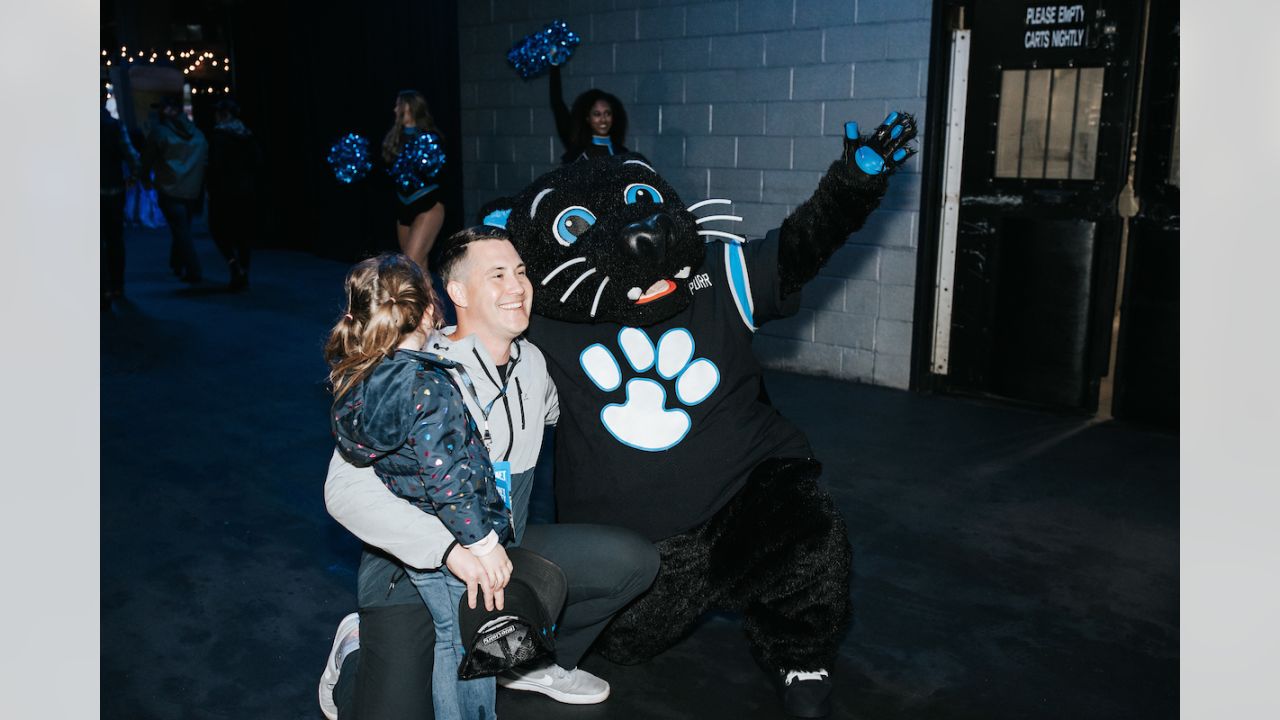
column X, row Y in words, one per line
column 1044, row 26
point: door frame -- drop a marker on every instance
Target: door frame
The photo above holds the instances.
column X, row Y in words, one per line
column 947, row 15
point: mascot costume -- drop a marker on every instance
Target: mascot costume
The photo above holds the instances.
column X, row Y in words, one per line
column 646, row 318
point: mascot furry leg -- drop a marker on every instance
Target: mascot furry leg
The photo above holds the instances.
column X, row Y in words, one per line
column 784, row 566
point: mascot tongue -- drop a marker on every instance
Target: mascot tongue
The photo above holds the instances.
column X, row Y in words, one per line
column 662, row 288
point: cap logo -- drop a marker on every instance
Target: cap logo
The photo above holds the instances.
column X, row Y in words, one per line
column 490, row 638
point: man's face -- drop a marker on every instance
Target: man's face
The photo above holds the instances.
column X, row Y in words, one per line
column 491, row 292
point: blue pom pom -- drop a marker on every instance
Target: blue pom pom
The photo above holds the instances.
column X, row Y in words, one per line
column 552, row 45
column 420, row 158
column 349, row 158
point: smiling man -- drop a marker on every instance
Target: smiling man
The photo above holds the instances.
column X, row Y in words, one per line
column 509, row 394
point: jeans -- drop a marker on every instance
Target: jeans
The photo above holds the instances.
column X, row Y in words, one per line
column 453, row 699
column 182, row 250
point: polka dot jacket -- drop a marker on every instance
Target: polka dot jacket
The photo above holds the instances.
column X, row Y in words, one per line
column 407, row 419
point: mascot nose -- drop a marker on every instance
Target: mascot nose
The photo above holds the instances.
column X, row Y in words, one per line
column 646, row 240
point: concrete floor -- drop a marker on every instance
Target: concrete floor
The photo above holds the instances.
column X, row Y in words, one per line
column 1009, row 563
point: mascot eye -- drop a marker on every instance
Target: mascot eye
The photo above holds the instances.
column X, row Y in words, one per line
column 636, row 192
column 571, row 223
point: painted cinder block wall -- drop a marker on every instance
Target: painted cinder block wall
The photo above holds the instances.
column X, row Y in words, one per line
column 740, row 99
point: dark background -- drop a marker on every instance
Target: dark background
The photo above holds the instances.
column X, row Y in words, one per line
column 306, row 73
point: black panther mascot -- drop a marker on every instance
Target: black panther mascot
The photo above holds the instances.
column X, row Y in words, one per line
column 646, row 315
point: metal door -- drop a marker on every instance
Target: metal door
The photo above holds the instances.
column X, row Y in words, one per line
column 1050, row 101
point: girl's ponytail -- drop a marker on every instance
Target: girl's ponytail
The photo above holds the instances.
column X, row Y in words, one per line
column 387, row 297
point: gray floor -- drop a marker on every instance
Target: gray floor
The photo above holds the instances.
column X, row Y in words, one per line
column 1008, row 563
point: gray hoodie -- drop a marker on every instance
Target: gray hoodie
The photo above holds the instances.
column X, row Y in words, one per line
column 516, row 418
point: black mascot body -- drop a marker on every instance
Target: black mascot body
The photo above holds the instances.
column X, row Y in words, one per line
column 646, row 317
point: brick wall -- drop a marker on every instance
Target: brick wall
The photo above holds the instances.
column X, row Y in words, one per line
column 741, row 99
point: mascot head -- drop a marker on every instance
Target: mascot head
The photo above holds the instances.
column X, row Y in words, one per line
column 605, row 239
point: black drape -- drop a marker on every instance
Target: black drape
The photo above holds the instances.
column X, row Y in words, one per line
column 308, row 72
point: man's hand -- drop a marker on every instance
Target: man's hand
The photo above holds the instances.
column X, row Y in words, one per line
column 497, row 567
column 467, row 568
column 883, row 150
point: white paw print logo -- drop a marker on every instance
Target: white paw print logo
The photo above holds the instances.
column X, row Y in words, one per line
column 644, row 422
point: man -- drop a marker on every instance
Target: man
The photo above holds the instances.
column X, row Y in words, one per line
column 117, row 153
column 177, row 153
column 513, row 399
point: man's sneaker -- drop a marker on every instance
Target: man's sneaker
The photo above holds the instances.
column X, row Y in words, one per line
column 806, row 694
column 345, row 641
column 573, row 687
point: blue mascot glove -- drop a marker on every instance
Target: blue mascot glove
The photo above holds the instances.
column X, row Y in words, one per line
column 884, row 150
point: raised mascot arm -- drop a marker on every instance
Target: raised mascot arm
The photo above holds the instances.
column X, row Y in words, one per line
column 846, row 195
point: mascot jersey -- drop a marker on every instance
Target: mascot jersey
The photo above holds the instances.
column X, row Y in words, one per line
column 661, row 425
column 645, row 315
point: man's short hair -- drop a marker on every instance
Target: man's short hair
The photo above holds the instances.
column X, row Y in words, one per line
column 455, row 247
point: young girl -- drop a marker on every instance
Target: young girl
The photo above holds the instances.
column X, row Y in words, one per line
column 397, row 409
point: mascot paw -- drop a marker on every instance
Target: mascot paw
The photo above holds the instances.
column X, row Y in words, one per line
column 644, row 422
column 884, row 150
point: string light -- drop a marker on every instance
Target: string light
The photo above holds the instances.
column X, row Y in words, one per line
column 196, row 61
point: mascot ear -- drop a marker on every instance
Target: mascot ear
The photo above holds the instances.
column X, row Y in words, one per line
column 495, row 212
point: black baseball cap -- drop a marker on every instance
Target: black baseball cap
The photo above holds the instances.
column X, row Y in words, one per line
column 524, row 630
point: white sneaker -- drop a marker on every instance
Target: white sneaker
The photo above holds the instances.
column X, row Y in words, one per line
column 572, row 687
column 345, row 641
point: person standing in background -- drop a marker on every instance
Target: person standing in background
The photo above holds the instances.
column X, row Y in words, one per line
column 177, row 153
column 419, row 214
column 235, row 161
column 595, row 127
column 117, row 154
